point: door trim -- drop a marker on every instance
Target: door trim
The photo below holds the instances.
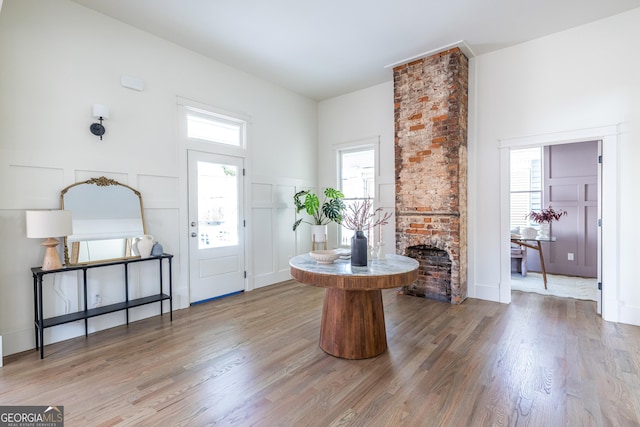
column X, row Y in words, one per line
column 241, row 218
column 608, row 185
column 185, row 144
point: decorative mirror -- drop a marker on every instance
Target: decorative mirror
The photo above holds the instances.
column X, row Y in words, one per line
column 107, row 216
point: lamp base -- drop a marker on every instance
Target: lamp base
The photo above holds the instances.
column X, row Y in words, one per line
column 51, row 259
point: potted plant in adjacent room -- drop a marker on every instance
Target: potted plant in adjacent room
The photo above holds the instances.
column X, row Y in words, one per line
column 330, row 210
column 359, row 217
column 544, row 218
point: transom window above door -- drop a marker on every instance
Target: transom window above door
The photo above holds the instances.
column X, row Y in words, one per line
column 215, row 128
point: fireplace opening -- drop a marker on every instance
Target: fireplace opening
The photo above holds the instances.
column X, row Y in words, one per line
column 434, row 273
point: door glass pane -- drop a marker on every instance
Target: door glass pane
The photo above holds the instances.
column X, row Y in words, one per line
column 217, row 205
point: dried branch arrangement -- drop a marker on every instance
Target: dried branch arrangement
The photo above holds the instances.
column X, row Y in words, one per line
column 546, row 215
column 361, row 216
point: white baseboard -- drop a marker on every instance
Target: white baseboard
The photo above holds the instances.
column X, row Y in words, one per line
column 24, row 339
column 630, row 314
column 485, row 292
column 271, row 278
column 18, row 341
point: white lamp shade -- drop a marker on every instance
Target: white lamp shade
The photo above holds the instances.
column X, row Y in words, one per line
column 45, row 224
column 100, row 110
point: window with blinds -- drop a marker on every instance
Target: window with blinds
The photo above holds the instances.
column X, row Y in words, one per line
column 357, row 180
column 526, row 185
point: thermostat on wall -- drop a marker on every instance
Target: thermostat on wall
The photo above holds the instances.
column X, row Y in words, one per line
column 132, row 83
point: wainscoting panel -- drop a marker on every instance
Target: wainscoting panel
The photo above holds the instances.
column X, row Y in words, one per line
column 159, row 191
column 273, row 240
column 262, row 241
column 84, row 175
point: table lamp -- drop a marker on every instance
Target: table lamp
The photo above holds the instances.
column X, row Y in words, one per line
column 48, row 225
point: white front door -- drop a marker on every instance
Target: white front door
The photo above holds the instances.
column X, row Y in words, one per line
column 216, row 226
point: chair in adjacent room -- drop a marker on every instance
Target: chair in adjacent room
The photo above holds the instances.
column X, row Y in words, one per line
column 518, row 259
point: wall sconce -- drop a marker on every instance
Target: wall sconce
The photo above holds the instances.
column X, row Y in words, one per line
column 48, row 225
column 100, row 112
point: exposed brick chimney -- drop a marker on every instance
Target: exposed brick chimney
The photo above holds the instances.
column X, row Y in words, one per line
column 431, row 105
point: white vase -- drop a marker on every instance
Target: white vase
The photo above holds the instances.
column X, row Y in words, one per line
column 144, row 244
column 543, row 232
column 318, row 237
column 528, row 232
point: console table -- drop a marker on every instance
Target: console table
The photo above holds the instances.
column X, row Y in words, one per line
column 41, row 323
column 352, row 314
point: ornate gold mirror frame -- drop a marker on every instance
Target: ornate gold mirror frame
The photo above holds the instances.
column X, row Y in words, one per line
column 107, row 217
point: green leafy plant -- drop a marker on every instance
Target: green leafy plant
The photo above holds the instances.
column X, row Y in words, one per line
column 329, row 211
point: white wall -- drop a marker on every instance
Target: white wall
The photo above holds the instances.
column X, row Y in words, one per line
column 57, row 59
column 575, row 80
column 558, row 85
column 360, row 117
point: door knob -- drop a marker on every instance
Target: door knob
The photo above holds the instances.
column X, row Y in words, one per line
column 193, row 223
column 194, row 234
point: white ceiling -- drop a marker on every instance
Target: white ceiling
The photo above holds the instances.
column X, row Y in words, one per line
column 338, row 46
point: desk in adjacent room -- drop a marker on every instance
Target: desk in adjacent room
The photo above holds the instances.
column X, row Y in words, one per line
column 535, row 244
column 353, row 315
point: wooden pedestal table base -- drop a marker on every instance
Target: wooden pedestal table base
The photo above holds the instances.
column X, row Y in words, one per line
column 353, row 314
column 353, row 324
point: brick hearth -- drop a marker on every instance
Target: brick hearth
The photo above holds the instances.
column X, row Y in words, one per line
column 431, row 169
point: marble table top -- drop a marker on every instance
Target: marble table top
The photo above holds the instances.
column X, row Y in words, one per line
column 391, row 265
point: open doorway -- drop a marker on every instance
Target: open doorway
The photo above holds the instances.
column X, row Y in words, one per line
column 609, row 303
column 566, row 178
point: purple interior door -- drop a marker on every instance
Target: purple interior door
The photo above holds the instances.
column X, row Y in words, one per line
column 570, row 182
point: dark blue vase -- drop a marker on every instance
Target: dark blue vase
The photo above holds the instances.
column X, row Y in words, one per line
column 359, row 249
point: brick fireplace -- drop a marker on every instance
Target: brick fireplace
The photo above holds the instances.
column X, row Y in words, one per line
column 430, row 107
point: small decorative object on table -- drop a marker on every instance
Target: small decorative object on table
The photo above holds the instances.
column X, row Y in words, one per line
column 157, row 249
column 545, row 217
column 324, row 257
column 381, row 254
column 360, row 217
column 143, row 245
column 528, row 232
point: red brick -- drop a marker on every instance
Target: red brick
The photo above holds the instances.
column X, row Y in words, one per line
column 439, row 140
column 430, row 185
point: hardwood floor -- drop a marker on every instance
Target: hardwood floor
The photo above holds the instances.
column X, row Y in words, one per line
column 253, row 359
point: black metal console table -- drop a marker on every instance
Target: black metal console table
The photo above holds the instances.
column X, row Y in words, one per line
column 41, row 323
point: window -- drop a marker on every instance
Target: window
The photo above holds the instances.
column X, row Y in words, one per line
column 217, row 207
column 215, row 128
column 526, row 185
column 356, row 168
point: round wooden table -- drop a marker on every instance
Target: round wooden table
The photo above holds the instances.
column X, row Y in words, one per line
column 353, row 315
